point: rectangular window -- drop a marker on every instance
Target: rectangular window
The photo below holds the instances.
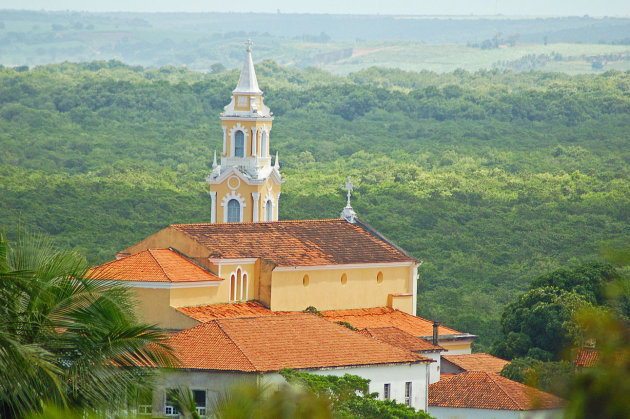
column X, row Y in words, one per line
column 200, row 401
column 387, row 391
column 408, row 393
column 169, row 407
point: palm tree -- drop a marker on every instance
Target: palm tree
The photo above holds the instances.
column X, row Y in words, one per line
column 66, row 339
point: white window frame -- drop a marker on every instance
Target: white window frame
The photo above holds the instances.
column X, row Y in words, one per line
column 169, row 410
column 408, row 393
column 244, row 148
column 387, row 391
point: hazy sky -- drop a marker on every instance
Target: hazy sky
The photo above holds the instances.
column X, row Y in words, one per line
column 432, row 7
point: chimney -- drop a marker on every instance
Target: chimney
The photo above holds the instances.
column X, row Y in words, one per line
column 435, row 333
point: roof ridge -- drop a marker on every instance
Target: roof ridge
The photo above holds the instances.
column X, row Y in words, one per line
column 490, row 376
column 159, row 264
column 308, row 220
column 216, row 321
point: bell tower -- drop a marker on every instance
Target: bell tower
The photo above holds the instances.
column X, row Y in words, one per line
column 245, row 187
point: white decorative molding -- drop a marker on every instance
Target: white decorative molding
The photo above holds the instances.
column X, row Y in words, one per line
column 264, row 142
column 254, row 140
column 276, row 207
column 233, row 261
column 243, row 285
column 238, row 127
column 238, row 184
column 227, row 198
column 213, row 207
column 343, row 267
column 256, row 198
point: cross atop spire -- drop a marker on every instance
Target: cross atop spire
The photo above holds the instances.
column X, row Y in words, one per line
column 249, row 44
column 348, row 186
column 348, row 213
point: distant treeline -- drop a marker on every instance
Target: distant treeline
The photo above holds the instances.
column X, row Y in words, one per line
column 491, row 178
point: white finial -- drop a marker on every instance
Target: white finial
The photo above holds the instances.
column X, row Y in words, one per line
column 214, row 163
column 249, row 44
column 348, row 213
column 277, row 164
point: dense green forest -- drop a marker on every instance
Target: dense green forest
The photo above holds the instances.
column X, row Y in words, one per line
column 491, row 178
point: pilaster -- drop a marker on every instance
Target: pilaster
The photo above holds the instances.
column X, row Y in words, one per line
column 256, row 199
column 213, row 207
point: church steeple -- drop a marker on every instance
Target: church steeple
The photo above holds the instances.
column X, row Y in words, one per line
column 245, row 187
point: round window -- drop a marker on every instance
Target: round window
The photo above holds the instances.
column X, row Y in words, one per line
column 379, row 278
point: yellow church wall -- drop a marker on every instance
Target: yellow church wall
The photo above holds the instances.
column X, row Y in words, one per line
column 182, row 297
column 247, row 125
column 402, row 302
column 325, row 290
column 153, row 307
column 234, row 183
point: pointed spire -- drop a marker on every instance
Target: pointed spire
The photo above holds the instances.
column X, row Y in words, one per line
column 277, row 164
column 214, row 163
column 247, row 83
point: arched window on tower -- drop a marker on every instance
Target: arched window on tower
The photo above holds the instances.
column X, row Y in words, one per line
column 269, row 210
column 234, row 211
column 263, row 145
column 239, row 144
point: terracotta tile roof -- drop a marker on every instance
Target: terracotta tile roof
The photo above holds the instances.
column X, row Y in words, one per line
column 224, row 311
column 586, row 358
column 400, row 339
column 270, row 343
column 481, row 390
column 295, row 243
column 384, row 316
column 477, row 362
column 153, row 265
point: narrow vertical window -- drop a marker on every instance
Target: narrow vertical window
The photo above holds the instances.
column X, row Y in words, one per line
column 200, row 401
column 232, row 288
column 239, row 144
column 387, row 391
column 269, row 211
column 408, row 393
column 244, row 290
column 239, row 281
column 234, row 211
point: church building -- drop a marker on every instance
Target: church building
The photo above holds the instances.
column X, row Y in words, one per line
column 247, row 279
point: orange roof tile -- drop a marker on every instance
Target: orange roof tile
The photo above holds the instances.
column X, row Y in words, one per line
column 477, row 362
column 153, row 265
column 270, row 343
column 296, row 243
column 400, row 339
column 385, row 316
column 481, row 390
column 586, row 358
column 224, row 311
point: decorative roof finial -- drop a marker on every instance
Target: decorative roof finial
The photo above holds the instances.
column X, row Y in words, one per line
column 277, row 164
column 249, row 44
column 214, row 163
column 348, row 213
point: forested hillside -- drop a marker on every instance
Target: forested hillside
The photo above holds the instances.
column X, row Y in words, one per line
column 490, row 178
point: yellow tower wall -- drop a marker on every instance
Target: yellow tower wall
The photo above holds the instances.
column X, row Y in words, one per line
column 237, row 185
